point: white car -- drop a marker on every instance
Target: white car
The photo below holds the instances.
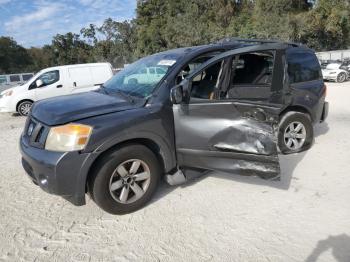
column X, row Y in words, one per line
column 54, row 81
column 335, row 72
column 146, row 75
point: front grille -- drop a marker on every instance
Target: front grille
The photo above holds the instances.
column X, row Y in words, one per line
column 36, row 133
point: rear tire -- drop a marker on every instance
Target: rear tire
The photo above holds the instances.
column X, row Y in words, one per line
column 295, row 133
column 24, row 108
column 117, row 187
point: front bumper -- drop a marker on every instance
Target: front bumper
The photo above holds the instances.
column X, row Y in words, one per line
column 6, row 105
column 57, row 173
column 330, row 77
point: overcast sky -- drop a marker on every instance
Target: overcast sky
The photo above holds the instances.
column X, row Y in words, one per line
column 35, row 22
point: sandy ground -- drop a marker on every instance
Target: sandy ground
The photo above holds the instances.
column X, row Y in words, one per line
column 305, row 217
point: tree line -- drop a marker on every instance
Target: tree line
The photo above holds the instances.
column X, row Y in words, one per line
column 166, row 24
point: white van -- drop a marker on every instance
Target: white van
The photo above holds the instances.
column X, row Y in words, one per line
column 54, row 81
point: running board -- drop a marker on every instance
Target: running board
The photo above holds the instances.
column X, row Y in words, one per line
column 175, row 179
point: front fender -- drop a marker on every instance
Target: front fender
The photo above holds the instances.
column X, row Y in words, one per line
column 152, row 124
column 167, row 153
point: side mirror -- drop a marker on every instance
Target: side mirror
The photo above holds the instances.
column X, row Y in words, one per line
column 39, row 83
column 177, row 94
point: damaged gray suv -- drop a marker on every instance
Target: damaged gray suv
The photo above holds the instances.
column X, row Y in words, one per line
column 230, row 106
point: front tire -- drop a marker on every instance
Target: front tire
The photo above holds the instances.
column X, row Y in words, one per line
column 125, row 180
column 341, row 77
column 295, row 133
column 24, row 108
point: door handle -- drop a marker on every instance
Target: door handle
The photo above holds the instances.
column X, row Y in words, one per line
column 59, row 86
column 75, row 84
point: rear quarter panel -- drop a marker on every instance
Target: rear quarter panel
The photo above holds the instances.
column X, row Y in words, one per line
column 311, row 96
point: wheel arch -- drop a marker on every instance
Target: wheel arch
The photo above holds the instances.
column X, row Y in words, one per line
column 147, row 142
column 343, row 72
column 296, row 108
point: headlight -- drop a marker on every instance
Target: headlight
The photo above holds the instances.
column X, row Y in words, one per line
column 70, row 137
column 8, row 93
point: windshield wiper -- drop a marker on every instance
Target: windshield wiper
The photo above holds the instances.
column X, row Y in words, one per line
column 104, row 89
column 125, row 95
column 118, row 91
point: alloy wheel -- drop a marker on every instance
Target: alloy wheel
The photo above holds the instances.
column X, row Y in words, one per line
column 341, row 77
column 129, row 181
column 25, row 108
column 295, row 135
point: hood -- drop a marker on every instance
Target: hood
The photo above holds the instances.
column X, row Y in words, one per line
column 66, row 109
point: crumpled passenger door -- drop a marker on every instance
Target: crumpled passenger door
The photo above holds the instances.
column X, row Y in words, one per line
column 238, row 137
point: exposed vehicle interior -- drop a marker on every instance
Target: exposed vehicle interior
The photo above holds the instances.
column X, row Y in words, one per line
column 190, row 67
column 246, row 76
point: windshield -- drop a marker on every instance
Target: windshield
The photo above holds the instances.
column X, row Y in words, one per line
column 333, row 66
column 141, row 78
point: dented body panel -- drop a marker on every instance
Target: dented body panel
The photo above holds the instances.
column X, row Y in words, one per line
column 227, row 137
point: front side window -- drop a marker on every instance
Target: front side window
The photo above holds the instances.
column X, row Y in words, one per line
column 50, row 78
column 194, row 64
column 303, row 67
column 143, row 71
column 137, row 80
column 205, row 83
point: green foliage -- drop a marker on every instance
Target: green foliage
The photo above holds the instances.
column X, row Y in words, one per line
column 327, row 25
column 41, row 58
column 113, row 42
column 13, row 57
column 164, row 24
column 69, row 49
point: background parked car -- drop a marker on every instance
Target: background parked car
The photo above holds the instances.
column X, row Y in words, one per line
column 54, row 81
column 147, row 75
column 338, row 72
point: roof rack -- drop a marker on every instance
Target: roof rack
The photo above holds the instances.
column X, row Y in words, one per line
column 231, row 40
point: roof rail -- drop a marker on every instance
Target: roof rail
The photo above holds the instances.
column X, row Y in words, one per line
column 231, row 40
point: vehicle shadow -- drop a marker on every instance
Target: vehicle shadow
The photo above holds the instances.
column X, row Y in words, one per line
column 321, row 129
column 340, row 246
column 288, row 164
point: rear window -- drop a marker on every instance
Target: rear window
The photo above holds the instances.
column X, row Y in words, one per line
column 303, row 67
